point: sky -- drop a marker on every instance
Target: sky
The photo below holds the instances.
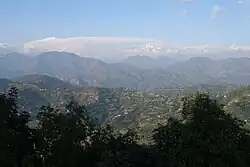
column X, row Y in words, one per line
column 173, row 21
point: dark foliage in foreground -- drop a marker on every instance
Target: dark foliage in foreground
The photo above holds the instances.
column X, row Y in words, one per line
column 205, row 136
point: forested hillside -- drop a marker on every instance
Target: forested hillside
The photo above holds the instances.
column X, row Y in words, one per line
column 203, row 135
column 123, row 108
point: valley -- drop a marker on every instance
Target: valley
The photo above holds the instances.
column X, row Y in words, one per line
column 123, row 108
column 139, row 92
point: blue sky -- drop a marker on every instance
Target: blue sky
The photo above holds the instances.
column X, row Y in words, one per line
column 174, row 21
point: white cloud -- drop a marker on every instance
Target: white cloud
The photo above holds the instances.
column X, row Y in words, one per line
column 185, row 12
column 186, row 1
column 86, row 46
column 217, row 11
column 91, row 39
column 240, row 2
column 118, row 48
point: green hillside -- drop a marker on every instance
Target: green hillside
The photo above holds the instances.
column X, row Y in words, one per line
column 237, row 102
column 43, row 81
column 124, row 108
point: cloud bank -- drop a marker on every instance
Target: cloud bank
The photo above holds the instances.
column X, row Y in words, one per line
column 119, row 48
column 53, row 43
column 85, row 46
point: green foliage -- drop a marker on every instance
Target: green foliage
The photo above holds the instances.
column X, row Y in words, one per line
column 205, row 136
column 16, row 138
column 63, row 135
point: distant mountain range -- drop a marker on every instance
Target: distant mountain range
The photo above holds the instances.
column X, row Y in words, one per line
column 146, row 62
column 138, row 72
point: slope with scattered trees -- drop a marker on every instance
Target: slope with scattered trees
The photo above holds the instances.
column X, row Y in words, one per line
column 204, row 135
column 122, row 108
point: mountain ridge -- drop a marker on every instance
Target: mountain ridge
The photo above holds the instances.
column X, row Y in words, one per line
column 159, row 74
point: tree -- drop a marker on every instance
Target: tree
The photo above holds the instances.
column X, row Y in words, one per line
column 16, row 146
column 113, row 149
column 68, row 137
column 205, row 136
column 62, row 135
